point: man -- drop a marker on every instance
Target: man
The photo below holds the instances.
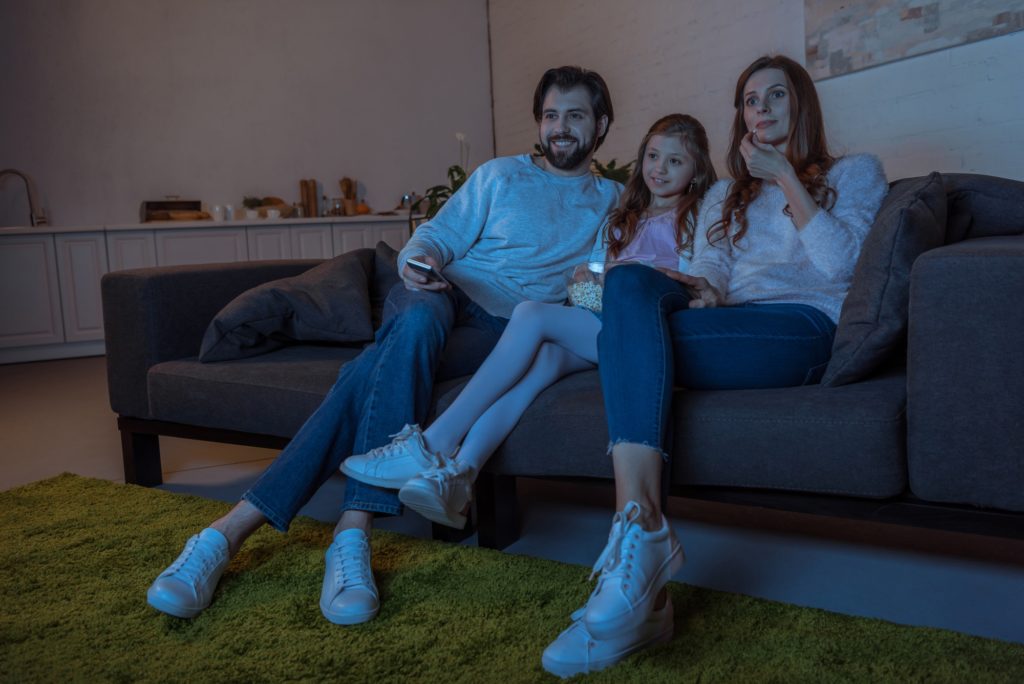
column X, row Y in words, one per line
column 511, row 233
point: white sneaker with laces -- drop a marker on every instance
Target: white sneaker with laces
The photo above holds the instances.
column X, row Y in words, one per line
column 186, row 587
column 576, row 651
column 349, row 595
column 392, row 465
column 633, row 568
column 441, row 494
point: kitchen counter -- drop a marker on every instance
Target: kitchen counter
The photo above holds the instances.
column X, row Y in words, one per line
column 208, row 223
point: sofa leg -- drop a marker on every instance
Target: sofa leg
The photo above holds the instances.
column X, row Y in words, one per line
column 497, row 510
column 141, row 453
column 451, row 535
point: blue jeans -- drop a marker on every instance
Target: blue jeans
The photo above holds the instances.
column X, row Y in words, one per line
column 651, row 342
column 388, row 385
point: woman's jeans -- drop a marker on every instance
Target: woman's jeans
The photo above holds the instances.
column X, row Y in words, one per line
column 388, row 385
column 651, row 342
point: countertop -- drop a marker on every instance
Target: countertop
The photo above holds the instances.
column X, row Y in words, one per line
column 174, row 225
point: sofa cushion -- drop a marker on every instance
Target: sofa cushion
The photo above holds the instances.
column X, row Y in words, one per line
column 873, row 321
column 982, row 206
column 327, row 303
column 385, row 276
column 272, row 394
column 846, row 440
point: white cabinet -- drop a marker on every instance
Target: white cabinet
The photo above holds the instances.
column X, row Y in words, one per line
column 81, row 262
column 289, row 242
column 30, row 312
column 269, row 243
column 349, row 236
column 311, row 242
column 200, row 246
column 131, row 249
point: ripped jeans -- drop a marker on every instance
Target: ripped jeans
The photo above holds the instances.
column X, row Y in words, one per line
column 651, row 343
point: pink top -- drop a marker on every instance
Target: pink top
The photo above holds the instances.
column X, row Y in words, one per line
column 655, row 243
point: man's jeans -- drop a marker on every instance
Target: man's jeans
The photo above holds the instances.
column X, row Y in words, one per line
column 651, row 342
column 387, row 386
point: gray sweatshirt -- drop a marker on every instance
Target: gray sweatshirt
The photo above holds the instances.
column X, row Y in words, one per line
column 776, row 263
column 514, row 232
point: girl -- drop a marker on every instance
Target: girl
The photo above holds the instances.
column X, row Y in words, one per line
column 774, row 256
column 435, row 468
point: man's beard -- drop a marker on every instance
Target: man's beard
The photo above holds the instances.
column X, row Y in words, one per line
column 566, row 160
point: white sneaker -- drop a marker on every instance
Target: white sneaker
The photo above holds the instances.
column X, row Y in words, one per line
column 186, row 587
column 392, row 465
column 441, row 494
column 634, row 567
column 576, row 651
column 348, row 595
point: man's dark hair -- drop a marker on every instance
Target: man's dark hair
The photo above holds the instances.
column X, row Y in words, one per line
column 568, row 77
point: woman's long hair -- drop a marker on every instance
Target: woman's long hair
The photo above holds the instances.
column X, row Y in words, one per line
column 807, row 150
column 624, row 221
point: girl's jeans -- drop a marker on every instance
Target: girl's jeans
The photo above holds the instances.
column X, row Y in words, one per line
column 651, row 343
column 388, row 385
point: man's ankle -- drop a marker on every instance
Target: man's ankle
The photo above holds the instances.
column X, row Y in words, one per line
column 355, row 519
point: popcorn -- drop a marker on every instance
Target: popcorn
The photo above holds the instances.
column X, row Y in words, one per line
column 586, row 294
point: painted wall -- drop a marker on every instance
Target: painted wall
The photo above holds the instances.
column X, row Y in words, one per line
column 960, row 109
column 111, row 102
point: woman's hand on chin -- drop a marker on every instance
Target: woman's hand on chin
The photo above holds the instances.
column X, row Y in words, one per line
column 763, row 160
column 705, row 295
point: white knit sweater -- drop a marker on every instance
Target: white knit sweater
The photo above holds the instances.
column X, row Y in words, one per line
column 777, row 263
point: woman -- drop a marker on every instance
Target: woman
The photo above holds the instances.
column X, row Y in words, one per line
column 774, row 257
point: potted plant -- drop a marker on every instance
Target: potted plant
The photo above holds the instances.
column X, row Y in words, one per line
column 437, row 195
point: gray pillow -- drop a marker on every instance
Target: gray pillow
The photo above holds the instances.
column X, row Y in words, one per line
column 328, row 303
column 873, row 322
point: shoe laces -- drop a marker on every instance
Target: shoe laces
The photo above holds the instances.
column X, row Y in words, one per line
column 396, row 447
column 616, row 561
column 351, row 566
column 193, row 564
column 451, row 474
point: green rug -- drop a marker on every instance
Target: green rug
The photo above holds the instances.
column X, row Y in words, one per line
column 79, row 553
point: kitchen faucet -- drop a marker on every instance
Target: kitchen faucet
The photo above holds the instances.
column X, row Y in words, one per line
column 36, row 214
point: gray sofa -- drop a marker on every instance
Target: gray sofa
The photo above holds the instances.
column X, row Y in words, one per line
column 919, row 417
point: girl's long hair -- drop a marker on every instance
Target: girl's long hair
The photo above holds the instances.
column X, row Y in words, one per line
column 624, row 221
column 807, row 150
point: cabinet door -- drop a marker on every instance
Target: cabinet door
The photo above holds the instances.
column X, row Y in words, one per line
column 131, row 249
column 395, row 233
column 349, row 236
column 311, row 242
column 29, row 291
column 202, row 246
column 269, row 243
column 81, row 262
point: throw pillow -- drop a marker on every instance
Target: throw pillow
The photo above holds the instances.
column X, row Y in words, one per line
column 873, row 321
column 328, row 303
column 385, row 271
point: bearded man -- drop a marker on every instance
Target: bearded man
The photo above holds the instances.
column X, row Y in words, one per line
column 511, row 233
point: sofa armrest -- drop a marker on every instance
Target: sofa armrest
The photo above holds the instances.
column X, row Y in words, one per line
column 965, row 374
column 151, row 315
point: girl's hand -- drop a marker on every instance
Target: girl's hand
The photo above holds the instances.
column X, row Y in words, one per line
column 763, row 160
column 705, row 295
